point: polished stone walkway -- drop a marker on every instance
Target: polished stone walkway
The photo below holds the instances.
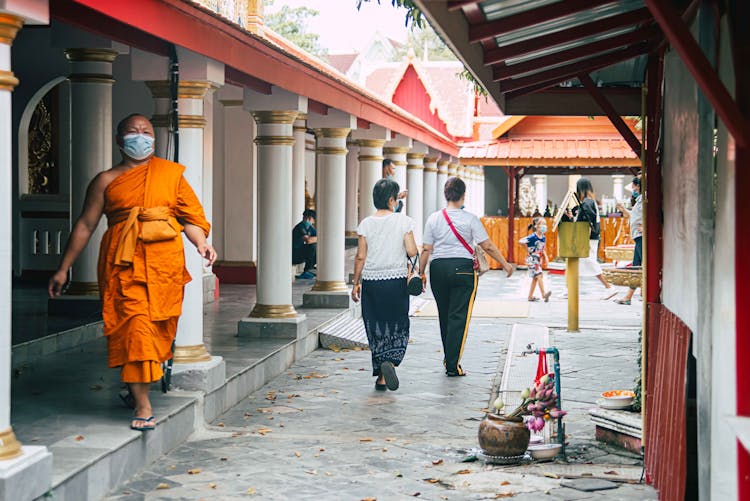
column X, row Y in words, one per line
column 320, row 431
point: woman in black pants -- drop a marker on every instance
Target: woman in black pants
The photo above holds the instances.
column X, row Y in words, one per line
column 448, row 238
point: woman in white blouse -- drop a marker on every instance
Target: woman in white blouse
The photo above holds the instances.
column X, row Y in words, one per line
column 380, row 270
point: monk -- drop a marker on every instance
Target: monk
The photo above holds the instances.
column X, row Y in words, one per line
column 141, row 269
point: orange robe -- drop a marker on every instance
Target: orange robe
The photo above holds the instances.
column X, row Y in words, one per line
column 142, row 283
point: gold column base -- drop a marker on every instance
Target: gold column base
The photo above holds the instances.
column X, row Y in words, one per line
column 330, row 286
column 350, row 234
column 10, row 447
column 273, row 311
column 191, row 354
column 82, row 289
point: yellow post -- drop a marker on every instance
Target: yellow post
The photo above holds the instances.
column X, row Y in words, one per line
column 571, row 276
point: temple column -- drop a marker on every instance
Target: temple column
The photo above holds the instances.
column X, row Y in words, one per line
column 540, row 188
column 331, row 130
column 370, row 171
column 618, row 181
column 415, row 182
column 298, row 168
column 430, row 185
column 442, row 177
column 352, row 182
column 396, row 150
column 452, row 169
column 25, row 471
column 91, row 147
column 482, row 206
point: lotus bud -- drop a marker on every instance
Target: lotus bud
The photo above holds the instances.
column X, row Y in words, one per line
column 498, row 404
column 532, row 394
column 525, row 393
column 544, row 379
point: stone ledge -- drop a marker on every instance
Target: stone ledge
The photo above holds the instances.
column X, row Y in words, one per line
column 620, row 428
column 323, row 299
column 27, row 476
column 277, row 328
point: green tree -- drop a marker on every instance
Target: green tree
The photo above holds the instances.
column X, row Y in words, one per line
column 291, row 23
column 425, row 39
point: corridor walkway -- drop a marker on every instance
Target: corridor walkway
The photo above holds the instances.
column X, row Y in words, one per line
column 320, row 431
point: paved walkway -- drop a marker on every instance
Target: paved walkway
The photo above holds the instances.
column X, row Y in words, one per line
column 320, row 431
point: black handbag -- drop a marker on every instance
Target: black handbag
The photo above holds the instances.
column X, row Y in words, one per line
column 414, row 284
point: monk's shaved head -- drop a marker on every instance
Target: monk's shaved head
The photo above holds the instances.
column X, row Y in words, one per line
column 131, row 120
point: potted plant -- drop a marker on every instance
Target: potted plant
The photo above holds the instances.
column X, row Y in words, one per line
column 508, row 435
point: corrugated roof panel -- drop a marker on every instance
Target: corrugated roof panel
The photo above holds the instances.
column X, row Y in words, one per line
column 498, row 9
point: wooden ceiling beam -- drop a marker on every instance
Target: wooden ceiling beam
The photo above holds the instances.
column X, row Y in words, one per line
column 454, row 5
column 491, row 29
column 639, row 35
column 500, row 54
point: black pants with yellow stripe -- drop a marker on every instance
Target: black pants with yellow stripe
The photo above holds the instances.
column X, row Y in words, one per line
column 454, row 286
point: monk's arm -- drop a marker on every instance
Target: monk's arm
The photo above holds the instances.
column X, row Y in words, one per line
column 93, row 207
column 197, row 236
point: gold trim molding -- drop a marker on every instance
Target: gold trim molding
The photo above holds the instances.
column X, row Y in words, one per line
column 330, row 286
column 232, row 102
column 9, row 26
column 432, row 160
column 185, row 90
column 399, row 163
column 350, row 234
column 328, row 150
column 10, row 447
column 83, row 289
column 183, row 121
column 415, row 156
column 8, row 80
column 274, row 140
column 91, row 78
column 191, row 354
column 91, row 55
column 414, row 167
column 273, row 311
column 370, row 158
column 443, row 163
column 332, row 133
column 395, row 150
column 371, row 143
column 275, row 117
column 430, row 169
column 301, row 116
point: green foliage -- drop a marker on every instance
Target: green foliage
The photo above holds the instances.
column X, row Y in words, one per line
column 414, row 17
column 291, row 23
column 426, row 39
column 478, row 87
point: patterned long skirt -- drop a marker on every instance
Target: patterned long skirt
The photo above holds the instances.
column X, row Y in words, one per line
column 385, row 312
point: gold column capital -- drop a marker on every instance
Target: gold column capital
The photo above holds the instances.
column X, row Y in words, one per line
column 8, row 80
column 430, row 169
column 286, row 117
column 9, row 26
column 91, row 55
column 443, row 163
column 332, row 133
column 395, row 150
column 185, row 90
column 371, row 143
column 370, row 158
column 415, row 156
column 431, row 159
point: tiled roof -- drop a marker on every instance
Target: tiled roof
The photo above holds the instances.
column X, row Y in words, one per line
column 488, row 108
column 548, row 149
column 341, row 62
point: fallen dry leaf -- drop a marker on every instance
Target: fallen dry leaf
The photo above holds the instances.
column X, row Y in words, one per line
column 329, row 474
column 437, row 462
column 551, row 475
column 79, row 438
column 416, row 494
column 463, row 472
column 213, row 486
column 250, row 491
column 318, row 375
column 390, row 439
column 432, row 480
column 194, row 471
column 385, row 449
column 611, row 472
column 505, row 495
column 292, row 395
column 237, row 434
column 311, row 472
column 162, row 486
column 367, row 439
column 322, row 449
column 298, row 454
column 265, row 410
column 173, row 467
column 271, row 396
column 263, row 431
column 223, row 459
column 339, row 359
column 504, row 482
column 369, row 499
column 220, row 425
column 316, row 455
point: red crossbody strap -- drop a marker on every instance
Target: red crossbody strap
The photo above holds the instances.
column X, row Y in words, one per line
column 455, row 232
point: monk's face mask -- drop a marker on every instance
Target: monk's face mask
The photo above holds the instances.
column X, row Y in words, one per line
column 138, row 146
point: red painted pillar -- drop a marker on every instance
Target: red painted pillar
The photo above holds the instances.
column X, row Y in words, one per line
column 654, row 217
column 741, row 52
column 511, row 212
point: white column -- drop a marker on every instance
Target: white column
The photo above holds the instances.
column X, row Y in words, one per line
column 398, row 155
column 430, row 185
column 331, row 205
column 352, row 183
column 298, row 168
column 452, row 169
column 481, row 193
column 189, row 347
column 370, row 170
column 540, row 187
column 91, row 147
column 618, row 181
column 442, row 177
column 9, row 446
column 415, row 182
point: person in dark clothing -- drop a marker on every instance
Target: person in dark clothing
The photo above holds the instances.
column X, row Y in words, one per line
column 389, row 172
column 304, row 244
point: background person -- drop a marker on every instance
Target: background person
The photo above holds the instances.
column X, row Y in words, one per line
column 386, row 238
column 535, row 243
column 305, row 244
column 141, row 270
column 636, row 233
column 389, row 172
column 452, row 277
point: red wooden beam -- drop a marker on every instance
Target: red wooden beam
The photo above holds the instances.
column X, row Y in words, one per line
column 653, row 250
column 566, row 72
column 679, row 36
column 458, row 4
column 639, row 35
column 609, row 110
column 362, row 123
column 240, row 79
column 314, row 106
column 531, row 17
column 500, row 54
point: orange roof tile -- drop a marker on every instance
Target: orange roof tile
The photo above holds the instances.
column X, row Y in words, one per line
column 548, row 149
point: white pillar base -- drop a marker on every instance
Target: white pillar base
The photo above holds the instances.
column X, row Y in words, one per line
column 201, row 376
column 27, row 476
column 327, row 299
column 277, row 328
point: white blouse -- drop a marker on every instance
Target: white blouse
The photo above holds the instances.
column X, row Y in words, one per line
column 386, row 252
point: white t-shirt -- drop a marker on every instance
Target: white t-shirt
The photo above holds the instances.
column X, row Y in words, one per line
column 386, row 252
column 445, row 244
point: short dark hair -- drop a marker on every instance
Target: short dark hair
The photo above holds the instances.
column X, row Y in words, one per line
column 121, row 125
column 384, row 190
column 387, row 162
column 308, row 213
column 584, row 188
column 454, row 189
column 637, row 181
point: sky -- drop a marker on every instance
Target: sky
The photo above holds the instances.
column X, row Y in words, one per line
column 343, row 28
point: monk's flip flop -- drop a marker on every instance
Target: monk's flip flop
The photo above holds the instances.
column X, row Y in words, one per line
column 149, row 424
column 389, row 374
